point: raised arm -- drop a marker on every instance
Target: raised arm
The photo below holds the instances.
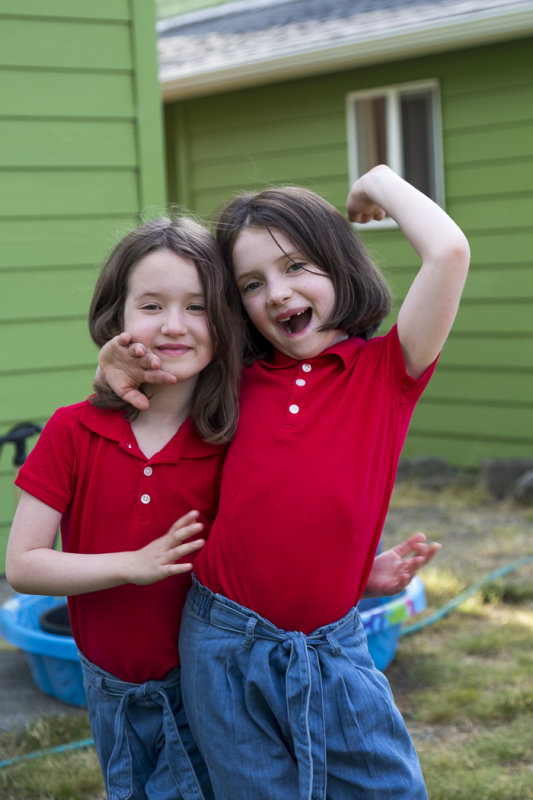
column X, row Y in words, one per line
column 34, row 567
column 429, row 309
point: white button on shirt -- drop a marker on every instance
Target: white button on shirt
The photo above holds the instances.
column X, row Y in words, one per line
column 294, row 408
column 148, row 470
column 306, row 367
column 145, row 498
column 300, row 382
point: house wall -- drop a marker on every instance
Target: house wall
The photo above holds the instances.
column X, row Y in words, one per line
column 81, row 154
column 480, row 402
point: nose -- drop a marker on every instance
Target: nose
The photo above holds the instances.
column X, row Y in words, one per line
column 173, row 323
column 279, row 291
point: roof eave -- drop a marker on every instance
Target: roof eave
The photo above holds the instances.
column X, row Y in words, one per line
column 410, row 41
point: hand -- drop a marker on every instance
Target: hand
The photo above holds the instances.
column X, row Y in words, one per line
column 394, row 568
column 125, row 365
column 157, row 560
column 360, row 206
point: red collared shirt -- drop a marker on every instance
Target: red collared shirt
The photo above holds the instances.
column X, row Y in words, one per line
column 88, row 466
column 307, row 481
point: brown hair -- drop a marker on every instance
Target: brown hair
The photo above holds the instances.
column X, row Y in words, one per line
column 216, row 395
column 326, row 239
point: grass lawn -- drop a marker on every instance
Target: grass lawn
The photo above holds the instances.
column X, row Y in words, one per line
column 463, row 683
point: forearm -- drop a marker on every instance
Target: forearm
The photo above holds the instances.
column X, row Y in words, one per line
column 429, row 309
column 47, row 571
column 427, row 227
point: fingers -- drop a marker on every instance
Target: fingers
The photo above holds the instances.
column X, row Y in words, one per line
column 136, row 399
column 409, row 545
column 176, row 546
column 159, row 376
column 423, row 553
column 150, row 363
column 145, row 358
column 177, row 553
column 415, row 552
column 183, row 529
column 430, row 552
column 362, row 218
column 190, row 518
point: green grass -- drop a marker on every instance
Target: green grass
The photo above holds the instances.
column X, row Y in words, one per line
column 70, row 775
column 465, row 682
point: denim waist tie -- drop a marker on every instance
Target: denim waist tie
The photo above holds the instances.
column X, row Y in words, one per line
column 306, row 714
column 119, row 771
column 303, row 678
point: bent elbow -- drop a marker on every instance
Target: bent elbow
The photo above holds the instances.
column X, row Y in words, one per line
column 459, row 253
column 15, row 576
column 12, row 577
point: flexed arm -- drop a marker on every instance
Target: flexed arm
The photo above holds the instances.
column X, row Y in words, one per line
column 429, row 309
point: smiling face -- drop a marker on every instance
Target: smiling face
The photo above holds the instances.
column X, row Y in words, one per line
column 287, row 298
column 165, row 311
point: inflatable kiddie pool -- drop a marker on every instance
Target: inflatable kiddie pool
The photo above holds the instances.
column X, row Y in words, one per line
column 39, row 626
column 383, row 618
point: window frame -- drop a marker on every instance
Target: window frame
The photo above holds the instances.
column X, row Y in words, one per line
column 393, row 94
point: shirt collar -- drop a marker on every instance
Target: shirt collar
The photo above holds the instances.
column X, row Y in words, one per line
column 113, row 424
column 341, row 351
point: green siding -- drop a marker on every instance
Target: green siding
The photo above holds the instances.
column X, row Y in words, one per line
column 81, row 157
column 112, row 10
column 480, row 402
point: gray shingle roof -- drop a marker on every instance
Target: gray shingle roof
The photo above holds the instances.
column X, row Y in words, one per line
column 240, row 42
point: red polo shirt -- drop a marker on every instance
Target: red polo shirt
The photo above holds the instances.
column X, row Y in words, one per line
column 88, row 466
column 307, row 481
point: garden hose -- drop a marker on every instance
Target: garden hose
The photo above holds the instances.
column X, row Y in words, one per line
column 62, row 748
column 457, row 601
column 406, row 631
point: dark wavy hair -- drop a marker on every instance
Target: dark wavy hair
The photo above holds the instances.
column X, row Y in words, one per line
column 326, row 239
column 216, row 395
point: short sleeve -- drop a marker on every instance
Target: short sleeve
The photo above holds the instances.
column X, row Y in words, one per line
column 386, row 352
column 50, row 470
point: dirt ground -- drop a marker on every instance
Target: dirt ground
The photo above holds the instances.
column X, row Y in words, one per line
column 478, row 534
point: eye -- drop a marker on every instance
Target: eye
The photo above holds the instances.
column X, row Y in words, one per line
column 250, row 286
column 295, row 266
column 150, row 306
column 199, row 307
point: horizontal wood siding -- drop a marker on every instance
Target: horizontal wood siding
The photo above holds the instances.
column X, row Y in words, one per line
column 81, row 157
column 480, row 402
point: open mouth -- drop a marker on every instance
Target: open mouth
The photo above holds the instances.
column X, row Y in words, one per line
column 297, row 322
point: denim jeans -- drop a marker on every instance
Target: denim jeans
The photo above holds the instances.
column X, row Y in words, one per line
column 142, row 738
column 278, row 715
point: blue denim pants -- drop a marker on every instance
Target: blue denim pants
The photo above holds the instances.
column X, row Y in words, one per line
column 144, row 744
column 278, row 715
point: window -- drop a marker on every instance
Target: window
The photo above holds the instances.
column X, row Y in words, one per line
column 398, row 126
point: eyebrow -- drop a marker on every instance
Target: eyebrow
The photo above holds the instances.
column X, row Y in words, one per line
column 155, row 293
column 291, row 256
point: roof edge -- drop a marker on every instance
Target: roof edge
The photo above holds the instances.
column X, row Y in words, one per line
column 473, row 29
column 166, row 24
